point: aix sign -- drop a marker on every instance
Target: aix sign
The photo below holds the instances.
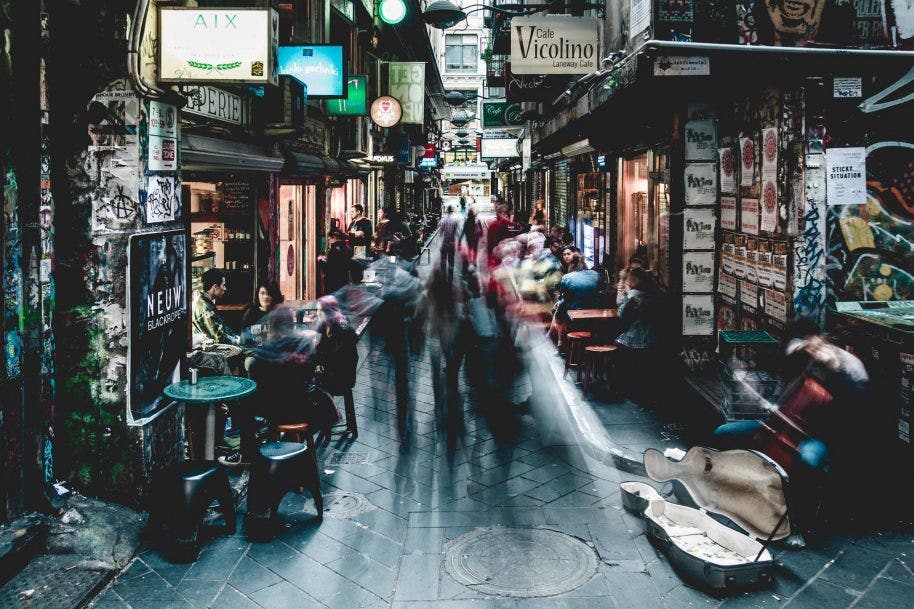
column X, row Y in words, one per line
column 501, row 114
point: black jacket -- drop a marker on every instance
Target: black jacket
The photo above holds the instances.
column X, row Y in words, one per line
column 337, row 354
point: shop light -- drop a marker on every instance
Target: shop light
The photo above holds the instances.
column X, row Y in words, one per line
column 392, row 12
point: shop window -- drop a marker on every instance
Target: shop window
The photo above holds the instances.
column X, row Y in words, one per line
column 644, row 214
column 461, row 54
column 591, row 218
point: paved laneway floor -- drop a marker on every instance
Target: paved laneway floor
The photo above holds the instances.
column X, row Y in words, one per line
column 533, row 522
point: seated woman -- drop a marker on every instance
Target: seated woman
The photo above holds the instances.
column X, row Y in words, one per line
column 268, row 297
column 578, row 289
column 336, row 357
column 644, row 319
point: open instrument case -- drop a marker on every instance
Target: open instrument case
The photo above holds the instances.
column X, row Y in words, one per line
column 745, row 491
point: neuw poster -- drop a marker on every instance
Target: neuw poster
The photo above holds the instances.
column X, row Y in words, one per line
column 157, row 318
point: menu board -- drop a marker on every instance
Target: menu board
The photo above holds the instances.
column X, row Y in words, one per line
column 236, row 196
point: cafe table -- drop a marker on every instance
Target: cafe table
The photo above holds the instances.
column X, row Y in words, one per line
column 591, row 314
column 211, row 390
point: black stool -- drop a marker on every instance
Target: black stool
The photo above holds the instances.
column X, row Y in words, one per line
column 279, row 468
column 180, row 496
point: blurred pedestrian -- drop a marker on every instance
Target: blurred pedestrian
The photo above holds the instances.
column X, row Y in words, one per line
column 336, row 357
column 447, row 232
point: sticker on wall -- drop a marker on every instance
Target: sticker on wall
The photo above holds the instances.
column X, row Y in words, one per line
column 728, row 213
column 163, row 199
column 163, row 153
column 769, row 204
column 698, row 315
column 727, row 171
column 700, row 140
column 845, row 177
column 700, row 184
column 747, row 161
column 700, row 225
column 749, row 216
column 769, row 153
column 698, row 272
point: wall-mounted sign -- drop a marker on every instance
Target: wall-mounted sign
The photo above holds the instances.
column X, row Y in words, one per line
column 214, row 103
column 386, row 111
column 502, row 114
column 218, row 45
column 406, row 82
column 845, row 177
column 676, row 65
column 381, row 158
column 322, row 67
column 499, row 148
column 554, row 44
column 356, row 101
column 163, row 153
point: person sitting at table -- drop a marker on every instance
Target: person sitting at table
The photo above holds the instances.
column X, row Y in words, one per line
column 206, row 318
column 645, row 323
column 622, row 285
column 336, row 357
column 578, row 289
column 268, row 296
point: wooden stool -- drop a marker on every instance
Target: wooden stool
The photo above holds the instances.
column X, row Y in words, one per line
column 575, row 357
column 594, row 355
column 300, row 432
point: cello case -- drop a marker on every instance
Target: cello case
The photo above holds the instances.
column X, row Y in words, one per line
column 743, row 488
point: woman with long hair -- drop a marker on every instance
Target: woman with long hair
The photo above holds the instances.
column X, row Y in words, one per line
column 336, row 356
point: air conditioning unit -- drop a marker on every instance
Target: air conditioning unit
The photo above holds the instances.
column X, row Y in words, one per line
column 283, row 110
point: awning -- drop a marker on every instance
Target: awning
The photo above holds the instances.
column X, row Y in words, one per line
column 300, row 163
column 201, row 153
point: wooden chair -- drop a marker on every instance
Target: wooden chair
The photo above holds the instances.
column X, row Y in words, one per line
column 575, row 357
column 598, row 358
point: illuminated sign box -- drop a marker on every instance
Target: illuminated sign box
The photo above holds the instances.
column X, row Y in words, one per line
column 499, row 148
column 321, row 67
column 218, row 45
column 356, row 101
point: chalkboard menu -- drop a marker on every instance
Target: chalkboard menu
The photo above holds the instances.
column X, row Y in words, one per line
column 236, row 196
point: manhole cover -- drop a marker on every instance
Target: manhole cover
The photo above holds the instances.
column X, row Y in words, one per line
column 345, row 504
column 347, row 458
column 520, row 563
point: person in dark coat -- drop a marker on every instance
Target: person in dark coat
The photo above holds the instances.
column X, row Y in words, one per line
column 338, row 262
column 336, row 356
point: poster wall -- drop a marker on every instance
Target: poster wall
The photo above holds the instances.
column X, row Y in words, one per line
column 728, row 213
column 700, row 140
column 700, row 225
column 749, row 216
column 698, row 315
column 157, row 317
column 700, row 184
column 698, row 272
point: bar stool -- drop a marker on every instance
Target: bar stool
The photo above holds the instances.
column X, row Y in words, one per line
column 593, row 356
column 299, row 432
column 575, row 357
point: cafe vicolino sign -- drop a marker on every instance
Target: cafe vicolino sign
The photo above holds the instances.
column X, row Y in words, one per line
column 554, row 44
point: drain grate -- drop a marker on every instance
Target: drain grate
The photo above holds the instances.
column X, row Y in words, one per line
column 346, row 504
column 53, row 581
column 348, row 458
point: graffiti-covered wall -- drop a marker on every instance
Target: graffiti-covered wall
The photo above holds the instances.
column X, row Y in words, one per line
column 871, row 246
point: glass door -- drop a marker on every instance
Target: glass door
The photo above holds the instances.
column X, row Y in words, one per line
column 290, row 241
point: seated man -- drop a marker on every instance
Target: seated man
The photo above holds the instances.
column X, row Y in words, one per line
column 206, row 319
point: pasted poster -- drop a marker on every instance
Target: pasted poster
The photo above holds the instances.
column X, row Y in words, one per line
column 726, row 284
column 700, row 140
column 749, row 216
column 748, row 295
column 845, row 177
column 157, row 310
column 774, row 305
column 639, row 17
column 700, row 225
column 700, row 184
column 163, row 199
column 727, row 171
column 698, row 315
column 764, row 268
column 747, row 161
column 163, row 137
column 698, row 272
column 728, row 213
column 769, row 204
column 769, row 153
column 751, row 260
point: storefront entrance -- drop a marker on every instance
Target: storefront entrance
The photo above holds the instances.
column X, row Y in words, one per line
column 297, row 246
column 644, row 213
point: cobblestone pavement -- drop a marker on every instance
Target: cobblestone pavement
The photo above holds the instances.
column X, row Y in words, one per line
column 487, row 526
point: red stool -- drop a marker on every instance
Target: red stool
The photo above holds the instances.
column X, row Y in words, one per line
column 595, row 355
column 575, row 357
column 300, row 432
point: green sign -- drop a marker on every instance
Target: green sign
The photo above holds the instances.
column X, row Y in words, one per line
column 356, row 102
column 501, row 114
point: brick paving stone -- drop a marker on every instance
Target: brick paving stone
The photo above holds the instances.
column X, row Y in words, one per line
column 886, row 593
column 855, row 568
column 283, row 596
column 821, row 593
column 419, row 578
column 249, row 577
column 230, row 598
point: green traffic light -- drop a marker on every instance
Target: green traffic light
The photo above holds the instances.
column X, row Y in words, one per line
column 392, row 12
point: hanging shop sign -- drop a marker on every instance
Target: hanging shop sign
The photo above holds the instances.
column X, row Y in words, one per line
column 322, row 67
column 210, row 102
column 554, row 44
column 502, row 114
column 356, row 101
column 700, row 184
column 532, row 87
column 845, row 177
column 381, row 158
column 386, row 111
column 406, row 82
column 157, row 318
column 218, row 45
column 675, row 65
column 501, row 148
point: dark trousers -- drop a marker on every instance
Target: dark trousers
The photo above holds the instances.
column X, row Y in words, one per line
column 447, row 261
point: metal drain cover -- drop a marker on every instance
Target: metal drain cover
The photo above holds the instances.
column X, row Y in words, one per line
column 348, row 458
column 346, row 504
column 53, row 581
column 520, row 563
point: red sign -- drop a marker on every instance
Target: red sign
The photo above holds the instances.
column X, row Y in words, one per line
column 429, row 151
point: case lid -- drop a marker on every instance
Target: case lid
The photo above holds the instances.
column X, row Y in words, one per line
column 742, row 485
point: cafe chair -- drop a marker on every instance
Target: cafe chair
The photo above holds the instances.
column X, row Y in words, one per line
column 598, row 361
column 278, row 468
column 180, row 496
column 575, row 356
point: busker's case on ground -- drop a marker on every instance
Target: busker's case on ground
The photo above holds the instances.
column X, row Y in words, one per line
column 743, row 486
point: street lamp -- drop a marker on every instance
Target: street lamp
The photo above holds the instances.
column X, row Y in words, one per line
column 392, row 12
column 456, row 98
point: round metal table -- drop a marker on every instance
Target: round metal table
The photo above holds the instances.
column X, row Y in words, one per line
column 210, row 390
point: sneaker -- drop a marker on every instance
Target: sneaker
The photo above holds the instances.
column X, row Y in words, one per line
column 233, row 460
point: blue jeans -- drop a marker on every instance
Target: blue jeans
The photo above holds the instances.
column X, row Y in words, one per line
column 738, row 434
